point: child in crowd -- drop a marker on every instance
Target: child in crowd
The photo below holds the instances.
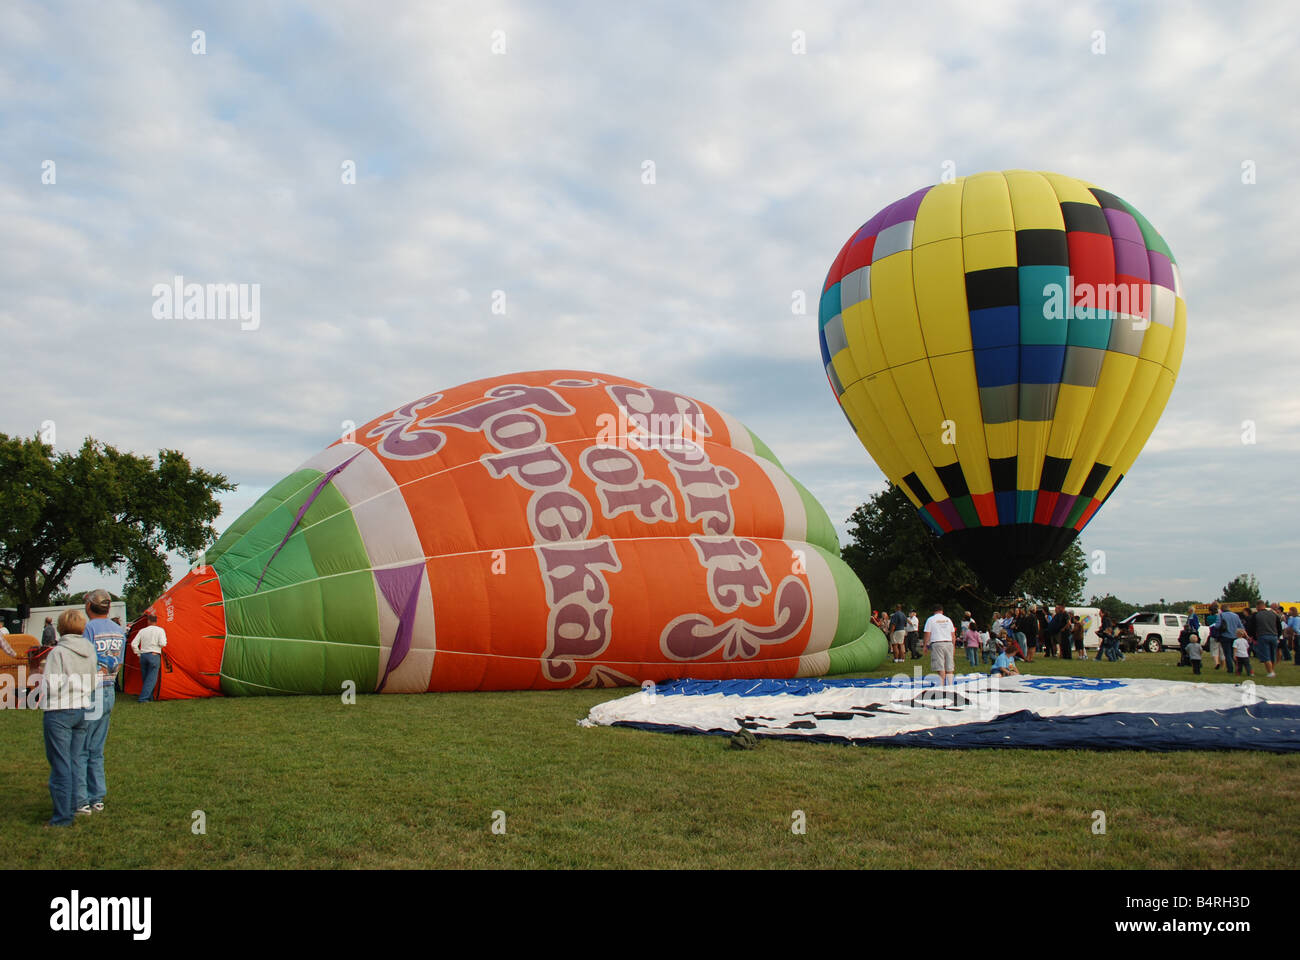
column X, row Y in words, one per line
column 1004, row 665
column 1193, row 651
column 1241, row 653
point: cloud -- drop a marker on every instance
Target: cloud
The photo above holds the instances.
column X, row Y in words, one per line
column 521, row 174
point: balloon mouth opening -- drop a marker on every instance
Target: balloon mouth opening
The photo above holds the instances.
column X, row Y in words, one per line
column 1000, row 555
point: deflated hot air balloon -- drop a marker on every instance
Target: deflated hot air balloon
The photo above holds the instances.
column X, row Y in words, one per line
column 538, row 530
column 1004, row 345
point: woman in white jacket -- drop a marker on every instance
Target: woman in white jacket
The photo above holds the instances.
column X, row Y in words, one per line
column 68, row 679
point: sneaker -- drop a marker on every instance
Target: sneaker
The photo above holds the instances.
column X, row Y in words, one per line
column 83, row 811
column 97, row 806
column 1272, row 674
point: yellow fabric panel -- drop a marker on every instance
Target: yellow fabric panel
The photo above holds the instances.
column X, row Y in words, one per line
column 916, row 385
column 1070, row 190
column 893, row 414
column 985, row 251
column 954, row 375
column 1174, row 361
column 1155, row 343
column 864, row 342
column 875, row 436
column 1146, row 423
column 845, row 368
column 1033, row 202
column 940, row 286
column 1072, row 405
column 1001, row 440
column 1130, row 409
column 892, row 298
column 1031, row 447
column 1112, row 386
column 939, row 216
column 985, row 204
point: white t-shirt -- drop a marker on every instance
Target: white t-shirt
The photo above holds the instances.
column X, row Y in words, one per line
column 1241, row 647
column 913, row 624
column 939, row 628
column 149, row 640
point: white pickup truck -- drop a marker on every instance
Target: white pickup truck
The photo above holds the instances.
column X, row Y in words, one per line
column 1154, row 632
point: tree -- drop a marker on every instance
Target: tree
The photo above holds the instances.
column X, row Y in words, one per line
column 1245, row 587
column 899, row 559
column 102, row 507
column 1114, row 607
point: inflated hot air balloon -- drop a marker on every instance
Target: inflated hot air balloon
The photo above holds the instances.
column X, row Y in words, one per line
column 538, row 530
column 1004, row 345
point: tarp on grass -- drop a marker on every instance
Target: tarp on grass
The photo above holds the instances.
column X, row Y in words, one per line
column 976, row 711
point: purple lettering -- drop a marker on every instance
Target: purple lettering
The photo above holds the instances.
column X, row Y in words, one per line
column 575, row 568
column 559, row 515
column 540, row 467
column 502, row 400
column 515, row 431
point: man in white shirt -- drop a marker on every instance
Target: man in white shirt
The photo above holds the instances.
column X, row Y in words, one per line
column 939, row 632
column 148, row 645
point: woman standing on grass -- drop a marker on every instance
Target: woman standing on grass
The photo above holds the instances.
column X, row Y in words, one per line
column 1216, row 639
column 972, row 638
column 67, row 681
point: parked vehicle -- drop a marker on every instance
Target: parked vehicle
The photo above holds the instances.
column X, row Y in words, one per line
column 1154, row 632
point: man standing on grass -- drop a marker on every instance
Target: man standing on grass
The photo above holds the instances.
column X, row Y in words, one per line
column 1267, row 627
column 1058, row 632
column 148, row 646
column 109, row 641
column 1229, row 624
column 897, row 632
column 939, row 631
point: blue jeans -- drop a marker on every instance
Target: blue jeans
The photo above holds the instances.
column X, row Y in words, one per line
column 91, row 785
column 65, row 742
column 973, row 655
column 150, row 664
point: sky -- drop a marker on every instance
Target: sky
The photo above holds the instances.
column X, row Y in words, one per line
column 499, row 156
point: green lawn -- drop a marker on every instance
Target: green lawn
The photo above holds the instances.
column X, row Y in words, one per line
column 413, row 781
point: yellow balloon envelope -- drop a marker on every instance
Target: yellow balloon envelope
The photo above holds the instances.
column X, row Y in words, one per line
column 1004, row 345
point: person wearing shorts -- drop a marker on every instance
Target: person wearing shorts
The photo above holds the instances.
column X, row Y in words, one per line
column 1268, row 626
column 897, row 632
column 939, row 634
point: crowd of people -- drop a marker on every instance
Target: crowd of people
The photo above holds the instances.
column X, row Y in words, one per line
column 77, row 693
column 1023, row 632
column 1270, row 634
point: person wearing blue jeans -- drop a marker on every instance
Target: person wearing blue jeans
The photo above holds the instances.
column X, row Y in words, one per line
column 148, row 646
column 109, row 641
column 67, row 678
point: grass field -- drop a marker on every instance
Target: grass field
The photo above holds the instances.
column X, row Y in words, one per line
column 413, row 781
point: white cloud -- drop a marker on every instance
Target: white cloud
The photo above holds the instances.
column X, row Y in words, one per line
column 521, row 173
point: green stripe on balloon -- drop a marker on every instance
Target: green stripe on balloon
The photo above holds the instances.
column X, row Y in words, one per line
column 289, row 487
column 820, row 532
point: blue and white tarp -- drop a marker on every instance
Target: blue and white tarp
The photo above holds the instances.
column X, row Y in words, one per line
column 974, row 711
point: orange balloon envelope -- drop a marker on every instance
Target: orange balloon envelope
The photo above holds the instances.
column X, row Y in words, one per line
column 538, row 530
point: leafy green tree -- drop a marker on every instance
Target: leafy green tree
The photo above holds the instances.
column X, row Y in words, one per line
column 102, row 507
column 899, row 559
column 1245, row 587
column 1115, row 607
